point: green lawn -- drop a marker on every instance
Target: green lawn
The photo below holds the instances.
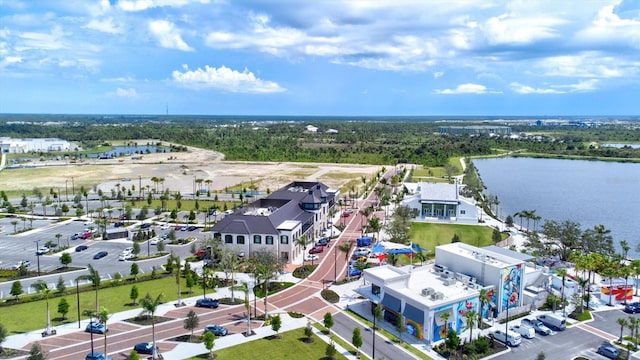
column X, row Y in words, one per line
column 290, row 346
column 430, row 235
column 33, row 314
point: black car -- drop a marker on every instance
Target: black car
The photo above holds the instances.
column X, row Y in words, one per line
column 81, row 248
column 207, row 302
column 632, row 308
column 191, row 228
column 100, row 255
column 118, row 223
column 145, row 226
column 145, row 348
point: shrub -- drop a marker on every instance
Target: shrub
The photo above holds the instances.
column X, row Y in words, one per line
column 482, row 345
column 330, row 296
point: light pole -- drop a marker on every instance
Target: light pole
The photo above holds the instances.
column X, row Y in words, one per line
column 38, row 255
column 66, row 189
column 78, row 299
column 375, row 315
column 335, row 264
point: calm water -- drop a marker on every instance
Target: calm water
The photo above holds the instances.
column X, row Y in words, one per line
column 588, row 192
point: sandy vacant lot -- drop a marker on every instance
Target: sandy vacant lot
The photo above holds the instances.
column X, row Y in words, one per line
column 179, row 171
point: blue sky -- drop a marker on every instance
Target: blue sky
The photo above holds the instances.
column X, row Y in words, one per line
column 321, row 57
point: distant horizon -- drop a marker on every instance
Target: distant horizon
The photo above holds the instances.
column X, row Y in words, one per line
column 496, row 117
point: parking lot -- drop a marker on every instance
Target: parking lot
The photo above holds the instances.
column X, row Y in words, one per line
column 574, row 341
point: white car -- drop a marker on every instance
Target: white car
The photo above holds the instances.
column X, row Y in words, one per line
column 26, row 263
column 311, row 257
column 43, row 250
column 164, row 227
column 154, row 240
column 88, row 222
column 526, row 332
column 126, row 256
column 128, row 250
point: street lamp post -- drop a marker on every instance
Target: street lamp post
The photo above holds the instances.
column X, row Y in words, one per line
column 38, row 255
column 78, row 299
column 66, row 189
column 375, row 315
column 335, row 264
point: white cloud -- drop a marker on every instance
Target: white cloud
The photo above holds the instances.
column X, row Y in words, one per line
column 585, row 65
column 525, row 89
column 105, row 26
column 467, row 89
column 42, row 41
column 582, row 86
column 140, row 5
column 126, row 93
column 167, row 35
column 438, row 74
column 225, row 79
column 520, row 30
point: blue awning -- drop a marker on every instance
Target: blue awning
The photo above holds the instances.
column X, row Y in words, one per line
column 413, row 313
column 391, row 303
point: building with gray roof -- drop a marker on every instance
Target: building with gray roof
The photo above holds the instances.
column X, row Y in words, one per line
column 440, row 202
column 276, row 222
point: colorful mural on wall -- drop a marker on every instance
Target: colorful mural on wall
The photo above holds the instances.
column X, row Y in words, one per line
column 619, row 294
column 462, row 309
column 415, row 329
column 443, row 318
column 487, row 308
column 511, row 280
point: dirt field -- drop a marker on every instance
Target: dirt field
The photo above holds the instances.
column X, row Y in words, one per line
column 179, row 171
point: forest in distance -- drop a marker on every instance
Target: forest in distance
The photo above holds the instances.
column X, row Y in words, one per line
column 365, row 140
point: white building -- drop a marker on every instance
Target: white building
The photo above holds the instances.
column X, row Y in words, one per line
column 440, row 202
column 10, row 145
column 451, row 286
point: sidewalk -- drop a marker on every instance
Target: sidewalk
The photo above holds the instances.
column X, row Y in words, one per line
column 186, row 350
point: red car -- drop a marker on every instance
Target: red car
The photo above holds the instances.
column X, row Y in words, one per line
column 345, row 214
column 86, row 235
column 200, row 253
column 316, row 250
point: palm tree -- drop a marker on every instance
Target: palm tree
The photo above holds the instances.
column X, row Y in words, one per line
column 244, row 287
column 265, row 273
column 563, row 274
column 470, row 318
column 484, row 299
column 625, row 249
column 635, row 271
column 103, row 316
column 94, row 277
column 176, row 260
column 444, row 316
column 375, row 226
column 623, row 324
column 609, row 272
column 149, row 307
column 229, row 263
column 346, row 248
column 302, row 241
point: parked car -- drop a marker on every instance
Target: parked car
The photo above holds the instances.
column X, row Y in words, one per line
column 632, row 308
column 43, row 250
column 191, row 228
column 207, row 302
column 96, row 328
column 164, row 227
column 200, row 253
column 145, row 348
column 145, row 226
column 316, row 250
column 75, row 236
column 217, row 330
column 80, row 248
column 100, row 255
column 324, row 241
column 609, row 351
column 154, row 240
column 510, row 338
column 88, row 222
column 361, row 252
column 537, row 325
column 178, row 228
column 85, row 235
column 97, row 356
column 118, row 223
column 311, row 257
column 127, row 250
column 26, row 263
column 553, row 321
column 346, row 214
column 126, row 256
column 526, row 332
column 354, row 272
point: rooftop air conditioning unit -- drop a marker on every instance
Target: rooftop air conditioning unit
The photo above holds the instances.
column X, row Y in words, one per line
column 437, row 296
column 427, row 291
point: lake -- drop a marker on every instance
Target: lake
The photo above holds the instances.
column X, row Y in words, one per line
column 588, row 192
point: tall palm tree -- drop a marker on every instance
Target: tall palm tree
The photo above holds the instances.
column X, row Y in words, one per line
column 230, row 263
column 266, row 274
column 94, row 277
column 375, row 226
column 244, row 287
column 563, row 274
column 635, row 271
column 623, row 324
column 470, row 319
column 103, row 317
column 345, row 249
column 625, row 249
column 176, row 261
column 444, row 316
column 484, row 299
column 149, row 307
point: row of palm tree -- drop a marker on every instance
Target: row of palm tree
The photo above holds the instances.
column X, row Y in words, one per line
column 528, row 215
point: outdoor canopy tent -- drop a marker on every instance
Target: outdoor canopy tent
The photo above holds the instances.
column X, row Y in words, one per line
column 387, row 247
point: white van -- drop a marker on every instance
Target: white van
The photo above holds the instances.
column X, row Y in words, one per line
column 553, row 321
column 510, row 338
column 526, row 332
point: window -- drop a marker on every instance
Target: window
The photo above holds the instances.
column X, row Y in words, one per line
column 228, row 239
column 284, row 239
column 240, row 239
column 257, row 239
column 462, row 212
column 268, row 240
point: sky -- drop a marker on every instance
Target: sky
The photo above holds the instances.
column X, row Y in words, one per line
column 321, row 57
